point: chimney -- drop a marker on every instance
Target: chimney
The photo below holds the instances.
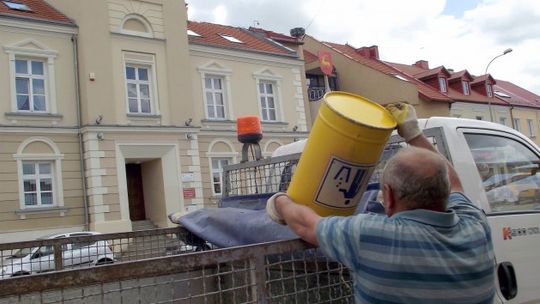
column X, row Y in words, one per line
column 371, row 52
column 423, row 64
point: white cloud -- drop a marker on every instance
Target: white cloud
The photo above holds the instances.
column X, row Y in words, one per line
column 220, row 14
column 407, row 31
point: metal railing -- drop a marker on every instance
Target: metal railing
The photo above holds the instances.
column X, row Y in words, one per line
column 277, row 272
column 316, row 93
column 258, row 177
column 31, row 257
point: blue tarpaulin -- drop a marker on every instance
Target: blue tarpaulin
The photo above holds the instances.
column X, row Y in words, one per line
column 238, row 225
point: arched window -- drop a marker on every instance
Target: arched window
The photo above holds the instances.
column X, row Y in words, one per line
column 134, row 24
column 39, row 167
column 220, row 153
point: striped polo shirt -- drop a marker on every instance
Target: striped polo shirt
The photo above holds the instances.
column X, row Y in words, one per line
column 415, row 256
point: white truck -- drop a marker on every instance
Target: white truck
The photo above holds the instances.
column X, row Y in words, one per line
column 498, row 167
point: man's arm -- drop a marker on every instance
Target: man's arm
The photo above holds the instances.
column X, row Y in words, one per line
column 422, row 142
column 407, row 122
column 302, row 220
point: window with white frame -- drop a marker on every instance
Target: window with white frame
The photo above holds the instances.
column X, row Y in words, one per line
column 502, row 121
column 516, row 124
column 214, row 96
column 267, row 99
column 32, row 77
column 38, row 183
column 465, row 85
column 530, row 125
column 30, row 88
column 217, row 164
column 138, row 86
column 141, row 89
column 40, row 177
column 442, row 84
column 489, row 90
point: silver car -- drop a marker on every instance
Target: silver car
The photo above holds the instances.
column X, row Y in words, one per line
column 41, row 259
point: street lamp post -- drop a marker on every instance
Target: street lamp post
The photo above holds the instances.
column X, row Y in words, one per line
column 508, row 50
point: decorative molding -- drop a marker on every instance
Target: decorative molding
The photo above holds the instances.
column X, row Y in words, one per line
column 134, row 16
column 244, row 56
column 37, row 210
column 40, row 26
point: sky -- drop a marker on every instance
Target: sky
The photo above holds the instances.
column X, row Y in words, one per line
column 458, row 34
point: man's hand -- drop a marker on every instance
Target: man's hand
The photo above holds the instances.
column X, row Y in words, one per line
column 302, row 220
column 405, row 116
column 272, row 211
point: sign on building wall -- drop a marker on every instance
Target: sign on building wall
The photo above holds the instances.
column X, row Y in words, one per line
column 326, row 63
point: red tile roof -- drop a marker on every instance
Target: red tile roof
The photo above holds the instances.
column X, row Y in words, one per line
column 40, row 11
column 210, row 35
column 309, row 57
column 473, row 97
column 406, row 68
column 461, row 74
column 516, row 95
column 483, row 78
column 423, row 89
column 381, row 66
column 275, row 36
column 432, row 72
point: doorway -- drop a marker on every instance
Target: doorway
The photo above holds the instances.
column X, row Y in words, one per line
column 135, row 192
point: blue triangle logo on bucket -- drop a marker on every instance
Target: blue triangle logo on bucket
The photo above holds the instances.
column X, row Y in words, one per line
column 342, row 184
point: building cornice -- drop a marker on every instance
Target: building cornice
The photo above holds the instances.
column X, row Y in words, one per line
column 37, row 25
column 243, row 56
column 140, row 129
column 35, row 129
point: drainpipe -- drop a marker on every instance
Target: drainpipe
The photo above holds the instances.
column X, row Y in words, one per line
column 79, row 130
column 512, row 117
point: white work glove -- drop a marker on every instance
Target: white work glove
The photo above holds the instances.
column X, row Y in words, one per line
column 405, row 116
column 271, row 208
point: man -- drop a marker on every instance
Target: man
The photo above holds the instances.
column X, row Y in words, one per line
column 433, row 245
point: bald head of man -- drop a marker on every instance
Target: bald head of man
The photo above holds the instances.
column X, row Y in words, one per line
column 415, row 178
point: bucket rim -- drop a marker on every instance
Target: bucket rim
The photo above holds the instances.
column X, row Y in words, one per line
column 354, row 120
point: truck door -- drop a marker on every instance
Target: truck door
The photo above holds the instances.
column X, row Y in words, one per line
column 509, row 168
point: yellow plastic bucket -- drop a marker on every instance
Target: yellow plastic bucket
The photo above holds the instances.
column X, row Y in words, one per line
column 343, row 148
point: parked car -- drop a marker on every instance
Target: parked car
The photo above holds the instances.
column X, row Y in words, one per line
column 41, row 259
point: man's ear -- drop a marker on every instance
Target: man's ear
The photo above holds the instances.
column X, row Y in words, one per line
column 389, row 201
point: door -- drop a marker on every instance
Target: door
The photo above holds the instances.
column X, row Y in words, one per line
column 510, row 171
column 135, row 192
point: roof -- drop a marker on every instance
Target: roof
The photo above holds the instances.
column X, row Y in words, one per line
column 211, row 35
column 423, row 89
column 309, row 57
column 461, row 74
column 515, row 95
column 39, row 11
column 406, row 68
column 276, row 36
column 432, row 72
column 473, row 97
column 483, row 78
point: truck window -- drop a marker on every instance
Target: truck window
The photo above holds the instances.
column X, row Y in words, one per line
column 509, row 171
